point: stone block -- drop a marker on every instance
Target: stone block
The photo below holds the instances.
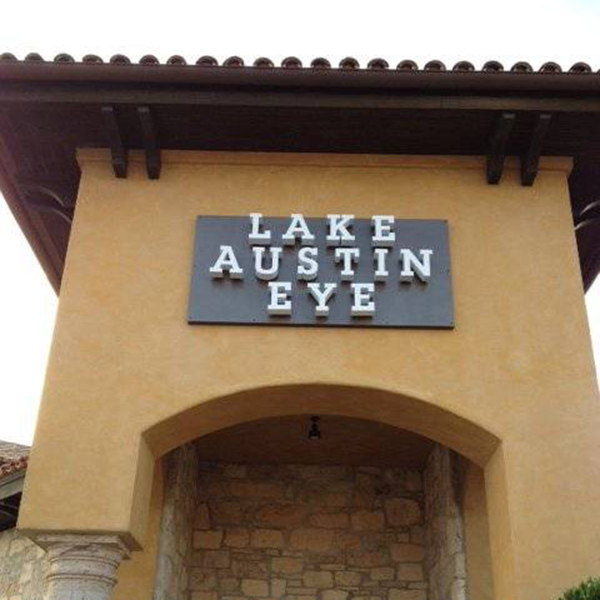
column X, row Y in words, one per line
column 395, row 594
column 460, row 565
column 204, row 596
column 244, row 567
column 226, row 513
column 417, row 535
column 236, row 471
column 327, row 472
column 281, row 515
column 318, row 579
column 418, row 585
column 216, row 489
column 278, row 588
column 410, row 572
column 229, row 585
column 335, row 499
column 202, row 580
column 334, row 595
column 367, row 520
column 365, row 559
column 348, row 541
column 413, row 481
column 401, row 512
column 216, row 559
column 347, row 578
column 313, row 540
column 255, row 588
column 253, row 489
column 458, row 590
column 383, row 574
column 330, row 521
column 266, row 538
column 407, row 553
column 207, row 540
column 286, row 564
column 237, row 538
column 201, row 517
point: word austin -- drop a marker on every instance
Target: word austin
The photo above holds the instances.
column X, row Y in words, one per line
column 268, row 250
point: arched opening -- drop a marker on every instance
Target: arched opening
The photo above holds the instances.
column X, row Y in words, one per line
column 411, row 412
column 266, row 507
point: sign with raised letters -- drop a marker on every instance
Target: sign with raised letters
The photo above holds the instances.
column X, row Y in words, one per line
column 331, row 271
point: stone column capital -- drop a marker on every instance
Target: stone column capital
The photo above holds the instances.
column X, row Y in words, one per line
column 82, row 566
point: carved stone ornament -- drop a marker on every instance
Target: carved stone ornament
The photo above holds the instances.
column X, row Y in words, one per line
column 82, row 567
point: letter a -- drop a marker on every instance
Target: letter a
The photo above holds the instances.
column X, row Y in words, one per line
column 226, row 263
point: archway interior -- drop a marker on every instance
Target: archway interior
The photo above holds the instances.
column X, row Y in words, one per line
column 267, row 509
column 340, row 441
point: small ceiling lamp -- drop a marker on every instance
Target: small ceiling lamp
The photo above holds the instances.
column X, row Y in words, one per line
column 314, row 433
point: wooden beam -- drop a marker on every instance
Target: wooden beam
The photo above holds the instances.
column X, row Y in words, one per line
column 115, row 140
column 498, row 144
column 531, row 160
column 140, row 95
column 150, row 139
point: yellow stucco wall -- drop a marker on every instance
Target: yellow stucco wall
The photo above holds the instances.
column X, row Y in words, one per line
column 477, row 537
column 512, row 387
column 137, row 575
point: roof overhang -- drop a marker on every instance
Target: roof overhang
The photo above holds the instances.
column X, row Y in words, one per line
column 11, row 490
column 49, row 109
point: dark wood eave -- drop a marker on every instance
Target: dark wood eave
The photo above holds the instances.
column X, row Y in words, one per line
column 48, row 109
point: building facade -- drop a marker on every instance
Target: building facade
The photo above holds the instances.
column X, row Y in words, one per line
column 213, row 428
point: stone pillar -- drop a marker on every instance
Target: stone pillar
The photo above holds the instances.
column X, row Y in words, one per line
column 82, row 567
column 444, row 530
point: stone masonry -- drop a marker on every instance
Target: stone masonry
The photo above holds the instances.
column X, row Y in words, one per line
column 23, row 567
column 180, row 500
column 308, row 532
column 444, row 532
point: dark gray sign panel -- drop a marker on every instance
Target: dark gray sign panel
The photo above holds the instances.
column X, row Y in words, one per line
column 395, row 301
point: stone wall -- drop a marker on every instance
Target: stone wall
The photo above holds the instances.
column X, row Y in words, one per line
column 307, row 532
column 23, row 567
column 175, row 544
column 444, row 531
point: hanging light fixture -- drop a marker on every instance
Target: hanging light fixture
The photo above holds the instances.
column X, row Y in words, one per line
column 314, row 433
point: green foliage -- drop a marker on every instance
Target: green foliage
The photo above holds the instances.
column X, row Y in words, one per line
column 588, row 590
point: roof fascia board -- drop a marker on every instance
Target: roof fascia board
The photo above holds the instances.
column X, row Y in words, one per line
column 383, row 79
column 130, row 94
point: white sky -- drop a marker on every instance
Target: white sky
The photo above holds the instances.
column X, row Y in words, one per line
column 476, row 30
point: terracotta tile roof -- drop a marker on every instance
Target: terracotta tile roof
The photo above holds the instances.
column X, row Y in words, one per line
column 291, row 62
column 13, row 458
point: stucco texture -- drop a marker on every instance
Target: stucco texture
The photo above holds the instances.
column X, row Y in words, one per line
column 512, row 387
